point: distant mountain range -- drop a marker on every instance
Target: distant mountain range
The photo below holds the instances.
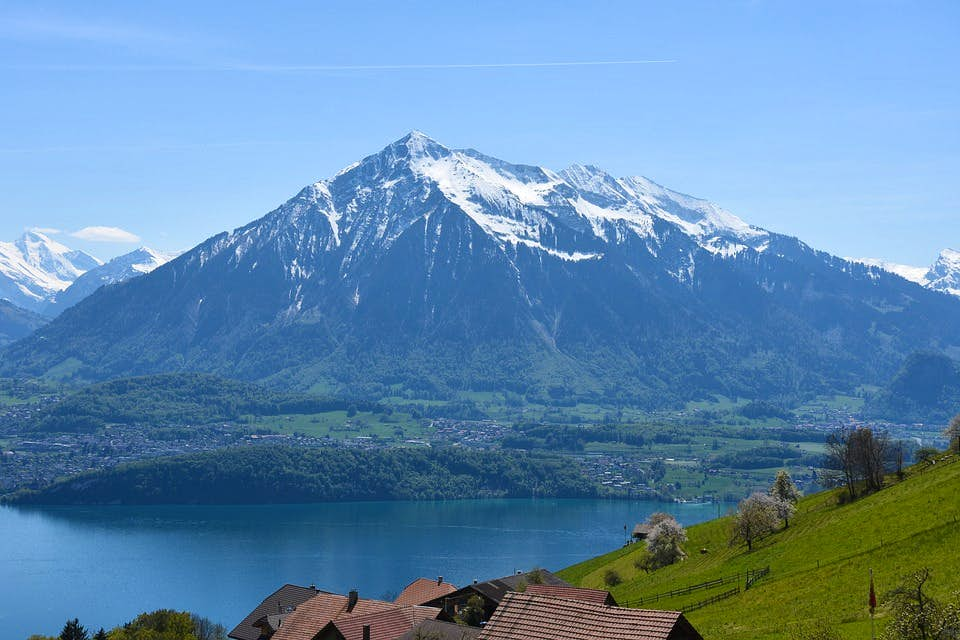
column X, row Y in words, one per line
column 120, row 269
column 424, row 271
column 44, row 276
column 943, row 275
column 34, row 268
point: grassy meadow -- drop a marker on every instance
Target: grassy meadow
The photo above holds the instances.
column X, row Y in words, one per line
column 819, row 566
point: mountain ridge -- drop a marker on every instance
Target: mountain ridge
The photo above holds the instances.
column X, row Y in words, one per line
column 943, row 275
column 128, row 265
column 437, row 270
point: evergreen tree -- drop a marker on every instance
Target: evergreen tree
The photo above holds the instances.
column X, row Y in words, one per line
column 73, row 630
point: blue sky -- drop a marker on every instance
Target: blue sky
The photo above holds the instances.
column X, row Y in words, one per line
column 838, row 122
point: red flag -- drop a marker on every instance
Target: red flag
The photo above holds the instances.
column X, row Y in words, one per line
column 873, row 595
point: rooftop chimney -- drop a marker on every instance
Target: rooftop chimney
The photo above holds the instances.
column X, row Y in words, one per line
column 352, row 601
column 439, row 580
column 366, row 632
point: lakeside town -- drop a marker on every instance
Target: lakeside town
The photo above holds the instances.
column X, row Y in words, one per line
column 668, row 468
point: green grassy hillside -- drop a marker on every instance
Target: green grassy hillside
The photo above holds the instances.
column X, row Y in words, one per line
column 818, row 567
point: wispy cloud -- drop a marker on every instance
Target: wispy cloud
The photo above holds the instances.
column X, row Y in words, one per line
column 47, row 26
column 311, row 68
column 47, row 231
column 106, row 234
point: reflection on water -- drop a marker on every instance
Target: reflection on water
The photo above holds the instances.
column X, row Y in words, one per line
column 106, row 564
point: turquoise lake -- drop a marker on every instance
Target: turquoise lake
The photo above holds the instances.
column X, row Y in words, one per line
column 105, row 565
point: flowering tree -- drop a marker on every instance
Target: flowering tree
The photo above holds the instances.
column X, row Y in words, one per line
column 953, row 433
column 757, row 515
column 917, row 616
column 664, row 543
column 787, row 493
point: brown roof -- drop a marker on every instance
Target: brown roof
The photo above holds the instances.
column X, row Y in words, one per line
column 522, row 616
column 642, row 530
column 439, row 630
column 314, row 614
column 494, row 590
column 284, row 598
column 384, row 625
column 423, row 590
column 595, row 596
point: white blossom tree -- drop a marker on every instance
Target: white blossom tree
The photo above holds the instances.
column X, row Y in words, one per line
column 757, row 515
column 787, row 493
column 953, row 433
column 665, row 543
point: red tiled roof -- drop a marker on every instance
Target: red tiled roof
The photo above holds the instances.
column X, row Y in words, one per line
column 494, row 590
column 439, row 630
column 384, row 625
column 523, row 616
column 314, row 614
column 423, row 590
column 571, row 593
column 284, row 598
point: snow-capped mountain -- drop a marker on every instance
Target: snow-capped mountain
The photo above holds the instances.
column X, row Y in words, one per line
column 514, row 205
column 434, row 269
column 122, row 268
column 943, row 275
column 34, row 268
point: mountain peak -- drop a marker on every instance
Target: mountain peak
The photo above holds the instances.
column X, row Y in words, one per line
column 950, row 255
column 33, row 238
column 416, row 145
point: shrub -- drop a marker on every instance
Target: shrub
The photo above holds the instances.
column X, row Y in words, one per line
column 612, row 578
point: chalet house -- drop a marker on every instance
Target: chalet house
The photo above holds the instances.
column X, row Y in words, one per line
column 440, row 630
column 492, row 592
column 596, row 596
column 423, row 590
column 274, row 607
column 524, row 616
column 526, row 606
column 641, row 531
column 380, row 625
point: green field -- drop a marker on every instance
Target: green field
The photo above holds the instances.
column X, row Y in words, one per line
column 819, row 566
column 339, row 425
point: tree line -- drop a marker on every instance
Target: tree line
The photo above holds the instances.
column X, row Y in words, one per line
column 163, row 624
column 265, row 474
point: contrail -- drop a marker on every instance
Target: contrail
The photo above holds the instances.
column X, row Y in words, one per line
column 159, row 147
column 281, row 68
column 415, row 67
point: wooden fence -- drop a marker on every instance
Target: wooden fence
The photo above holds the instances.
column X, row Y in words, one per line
column 711, row 600
column 748, row 578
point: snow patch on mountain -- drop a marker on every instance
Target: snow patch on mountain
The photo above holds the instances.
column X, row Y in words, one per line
column 575, row 215
column 905, row 271
column 943, row 275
